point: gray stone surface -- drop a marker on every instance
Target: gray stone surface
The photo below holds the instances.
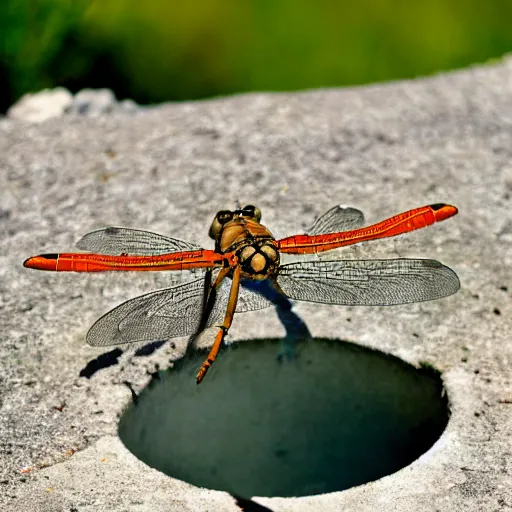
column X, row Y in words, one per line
column 384, row 149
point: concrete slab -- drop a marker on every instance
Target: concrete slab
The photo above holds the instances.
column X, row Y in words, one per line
column 383, row 149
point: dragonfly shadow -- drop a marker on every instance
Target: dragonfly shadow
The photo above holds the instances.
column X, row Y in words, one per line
column 249, row 505
column 110, row 358
column 148, row 348
column 335, row 416
column 296, row 329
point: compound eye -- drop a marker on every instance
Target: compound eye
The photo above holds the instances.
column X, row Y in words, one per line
column 224, row 216
column 215, row 229
column 251, row 212
column 220, row 219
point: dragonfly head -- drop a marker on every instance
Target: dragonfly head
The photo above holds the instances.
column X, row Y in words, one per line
column 225, row 216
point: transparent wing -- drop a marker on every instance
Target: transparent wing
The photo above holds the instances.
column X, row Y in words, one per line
column 248, row 300
column 133, row 242
column 167, row 314
column 337, row 219
column 367, row 282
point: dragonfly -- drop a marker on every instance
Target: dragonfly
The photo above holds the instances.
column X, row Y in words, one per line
column 246, row 261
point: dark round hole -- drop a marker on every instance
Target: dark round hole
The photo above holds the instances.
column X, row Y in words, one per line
column 335, row 416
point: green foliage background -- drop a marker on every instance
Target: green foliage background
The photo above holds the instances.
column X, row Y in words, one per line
column 159, row 50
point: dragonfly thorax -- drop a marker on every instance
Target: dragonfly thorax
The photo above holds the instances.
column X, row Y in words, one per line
column 254, row 245
column 258, row 260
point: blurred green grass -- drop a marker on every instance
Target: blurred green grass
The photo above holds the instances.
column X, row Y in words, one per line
column 160, row 50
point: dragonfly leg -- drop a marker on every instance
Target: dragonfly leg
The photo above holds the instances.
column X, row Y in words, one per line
column 224, row 328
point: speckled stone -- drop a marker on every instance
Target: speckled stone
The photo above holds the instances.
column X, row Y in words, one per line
column 383, row 149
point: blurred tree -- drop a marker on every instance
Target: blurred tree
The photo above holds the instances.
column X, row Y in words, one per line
column 160, row 50
column 31, row 34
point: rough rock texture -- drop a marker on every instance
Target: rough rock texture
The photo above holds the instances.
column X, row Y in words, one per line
column 384, row 149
